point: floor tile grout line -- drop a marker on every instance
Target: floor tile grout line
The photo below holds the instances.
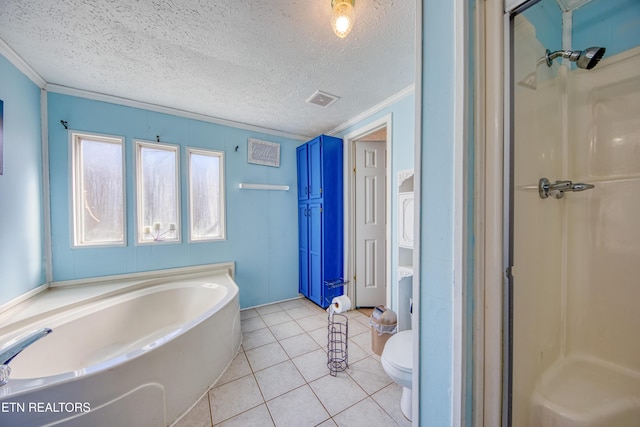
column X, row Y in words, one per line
column 214, row 385
column 236, row 379
column 209, row 404
column 251, row 366
column 381, row 407
column 306, row 382
column 354, row 404
column 366, row 394
column 368, row 354
column 264, row 401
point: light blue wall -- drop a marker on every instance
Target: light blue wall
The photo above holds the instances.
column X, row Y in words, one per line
column 261, row 225
column 614, row 24
column 21, row 213
column 402, row 157
column 437, row 212
column 546, row 16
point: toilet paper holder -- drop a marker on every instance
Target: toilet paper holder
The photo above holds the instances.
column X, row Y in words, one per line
column 336, row 283
column 331, row 285
column 337, row 343
column 337, row 330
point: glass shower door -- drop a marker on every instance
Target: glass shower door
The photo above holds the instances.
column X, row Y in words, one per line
column 575, row 194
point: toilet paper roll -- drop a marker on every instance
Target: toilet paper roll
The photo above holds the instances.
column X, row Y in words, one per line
column 341, row 304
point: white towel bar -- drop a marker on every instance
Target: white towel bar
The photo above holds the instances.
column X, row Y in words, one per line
column 271, row 187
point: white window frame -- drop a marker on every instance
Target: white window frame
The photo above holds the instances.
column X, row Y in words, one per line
column 139, row 145
column 223, row 223
column 77, row 204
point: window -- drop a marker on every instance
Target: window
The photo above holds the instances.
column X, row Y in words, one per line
column 158, row 192
column 97, row 190
column 206, row 195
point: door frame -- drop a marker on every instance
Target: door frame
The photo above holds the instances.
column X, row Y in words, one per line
column 492, row 213
column 488, row 212
column 348, row 148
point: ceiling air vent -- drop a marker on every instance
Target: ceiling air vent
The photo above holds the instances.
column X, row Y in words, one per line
column 322, row 99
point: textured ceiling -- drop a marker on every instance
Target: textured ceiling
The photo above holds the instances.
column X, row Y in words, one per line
column 254, row 62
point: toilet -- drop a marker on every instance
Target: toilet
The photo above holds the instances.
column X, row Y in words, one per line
column 397, row 361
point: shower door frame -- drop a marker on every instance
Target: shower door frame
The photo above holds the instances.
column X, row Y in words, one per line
column 512, row 9
column 494, row 215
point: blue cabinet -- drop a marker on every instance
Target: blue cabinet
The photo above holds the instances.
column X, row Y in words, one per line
column 310, row 169
column 302, row 153
column 320, row 219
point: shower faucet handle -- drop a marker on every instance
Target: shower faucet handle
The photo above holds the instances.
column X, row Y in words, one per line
column 579, row 186
column 560, row 186
column 557, row 189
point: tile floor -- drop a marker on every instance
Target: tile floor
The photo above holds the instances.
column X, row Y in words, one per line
column 280, row 376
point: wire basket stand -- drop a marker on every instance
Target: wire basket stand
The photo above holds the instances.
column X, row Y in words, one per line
column 338, row 332
column 337, row 336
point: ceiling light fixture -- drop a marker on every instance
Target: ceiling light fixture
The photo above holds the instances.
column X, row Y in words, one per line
column 342, row 17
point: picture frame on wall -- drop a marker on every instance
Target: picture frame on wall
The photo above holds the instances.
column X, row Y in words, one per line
column 263, row 152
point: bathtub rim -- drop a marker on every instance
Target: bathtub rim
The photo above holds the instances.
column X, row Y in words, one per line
column 20, row 386
column 26, row 310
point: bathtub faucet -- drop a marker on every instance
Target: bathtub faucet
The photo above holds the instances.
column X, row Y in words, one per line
column 7, row 354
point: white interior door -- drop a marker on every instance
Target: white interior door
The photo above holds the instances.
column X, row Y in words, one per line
column 370, row 223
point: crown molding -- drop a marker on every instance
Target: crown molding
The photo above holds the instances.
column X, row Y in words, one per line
column 95, row 96
column 21, row 64
column 375, row 109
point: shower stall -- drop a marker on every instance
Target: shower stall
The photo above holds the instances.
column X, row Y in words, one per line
column 572, row 298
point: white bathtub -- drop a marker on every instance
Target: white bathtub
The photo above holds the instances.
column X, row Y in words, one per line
column 139, row 357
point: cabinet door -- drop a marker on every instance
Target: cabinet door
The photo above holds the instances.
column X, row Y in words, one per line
column 315, row 168
column 303, row 172
column 314, row 216
column 303, row 249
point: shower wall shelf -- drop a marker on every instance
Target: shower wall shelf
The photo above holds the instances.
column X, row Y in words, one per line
column 270, row 187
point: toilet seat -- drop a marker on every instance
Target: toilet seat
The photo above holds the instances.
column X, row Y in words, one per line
column 398, row 352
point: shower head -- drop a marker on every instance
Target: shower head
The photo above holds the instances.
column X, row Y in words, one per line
column 586, row 59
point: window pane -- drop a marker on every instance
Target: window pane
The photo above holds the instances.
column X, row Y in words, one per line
column 99, row 192
column 158, row 194
column 207, row 209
